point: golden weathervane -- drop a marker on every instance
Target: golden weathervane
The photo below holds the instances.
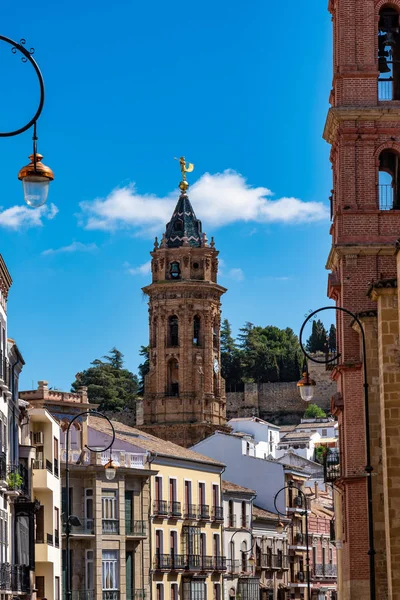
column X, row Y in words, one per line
column 185, row 168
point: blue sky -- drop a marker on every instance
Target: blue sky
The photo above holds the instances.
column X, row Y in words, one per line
column 240, row 89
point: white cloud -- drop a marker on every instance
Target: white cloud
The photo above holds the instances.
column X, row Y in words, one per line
column 144, row 269
column 23, row 217
column 220, row 199
column 236, row 274
column 74, row 247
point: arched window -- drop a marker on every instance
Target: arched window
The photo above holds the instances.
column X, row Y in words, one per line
column 173, row 331
column 154, row 333
column 388, row 54
column 215, row 333
column 178, row 225
column 231, row 514
column 244, row 515
column 196, row 330
column 243, row 548
column 173, row 377
column 175, row 270
column 389, row 180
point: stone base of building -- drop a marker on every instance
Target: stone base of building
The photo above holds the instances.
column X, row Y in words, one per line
column 183, row 434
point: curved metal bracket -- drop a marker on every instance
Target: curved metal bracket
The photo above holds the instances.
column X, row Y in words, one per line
column 27, row 56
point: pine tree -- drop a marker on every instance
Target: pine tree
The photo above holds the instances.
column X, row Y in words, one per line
column 144, row 367
column 332, row 339
column 318, row 338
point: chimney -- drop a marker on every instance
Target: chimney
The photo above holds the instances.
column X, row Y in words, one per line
column 43, row 386
column 316, row 489
column 82, row 391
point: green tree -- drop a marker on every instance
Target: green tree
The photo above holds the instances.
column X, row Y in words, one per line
column 143, row 368
column 318, row 338
column 332, row 339
column 313, row 411
column 109, row 384
column 231, row 366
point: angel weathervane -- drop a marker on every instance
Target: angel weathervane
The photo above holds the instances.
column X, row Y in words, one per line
column 185, row 168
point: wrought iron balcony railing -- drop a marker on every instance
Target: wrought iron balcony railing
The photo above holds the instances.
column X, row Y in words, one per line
column 203, row 511
column 135, row 528
column 332, row 469
column 14, row 578
column 162, row 562
column 110, row 594
column 85, row 528
column 232, row 566
column 160, row 508
column 175, row 509
column 327, row 570
column 190, row 512
column 245, row 521
column 81, row 595
column 219, row 563
column 217, row 513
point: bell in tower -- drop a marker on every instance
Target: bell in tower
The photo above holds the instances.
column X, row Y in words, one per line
column 184, row 395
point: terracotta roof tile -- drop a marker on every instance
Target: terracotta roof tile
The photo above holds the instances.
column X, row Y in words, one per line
column 149, row 442
column 228, row 486
column 260, row 513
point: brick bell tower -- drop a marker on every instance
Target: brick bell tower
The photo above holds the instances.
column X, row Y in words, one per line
column 363, row 128
column 184, row 399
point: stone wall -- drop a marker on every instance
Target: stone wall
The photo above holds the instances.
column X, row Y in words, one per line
column 280, row 403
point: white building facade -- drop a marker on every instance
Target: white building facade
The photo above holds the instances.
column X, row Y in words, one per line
column 265, row 436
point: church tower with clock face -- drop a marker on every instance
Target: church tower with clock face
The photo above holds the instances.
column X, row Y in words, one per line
column 184, row 395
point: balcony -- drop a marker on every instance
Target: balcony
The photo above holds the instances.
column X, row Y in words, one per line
column 49, row 466
column 217, row 514
column 280, row 561
column 203, row 512
column 85, row 528
column 190, row 511
column 299, row 539
column 14, row 578
column 193, row 562
column 332, row 470
column 207, row 563
column 219, row 563
column 110, row 594
column 56, row 539
column 135, row 528
column 178, row 562
column 82, row 595
column 4, row 372
column 120, row 458
column 17, row 480
column 325, row 571
column 160, row 508
column 233, row 566
column 298, row 503
column 162, row 562
column 174, row 509
column 110, row 526
column 231, row 521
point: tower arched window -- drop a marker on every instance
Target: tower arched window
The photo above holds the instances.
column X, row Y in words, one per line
column 389, row 180
column 196, row 330
column 243, row 549
column 389, row 54
column 178, row 225
column 173, row 331
column 215, row 334
column 175, row 270
column 173, row 378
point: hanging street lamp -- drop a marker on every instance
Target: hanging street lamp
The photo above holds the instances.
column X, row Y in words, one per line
column 35, row 176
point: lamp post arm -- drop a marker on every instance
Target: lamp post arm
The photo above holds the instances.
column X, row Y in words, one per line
column 368, row 468
column 68, row 592
column 27, row 56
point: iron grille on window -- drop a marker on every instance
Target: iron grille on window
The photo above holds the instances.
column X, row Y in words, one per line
column 248, row 588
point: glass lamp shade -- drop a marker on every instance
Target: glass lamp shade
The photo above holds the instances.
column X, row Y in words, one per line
column 110, row 471
column 35, row 179
column 306, row 387
column 251, row 561
column 36, row 190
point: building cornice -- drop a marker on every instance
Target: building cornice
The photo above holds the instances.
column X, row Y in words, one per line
column 5, row 278
column 183, row 286
column 382, row 287
column 338, row 251
column 357, row 113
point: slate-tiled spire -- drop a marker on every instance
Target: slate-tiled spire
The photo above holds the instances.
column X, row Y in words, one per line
column 183, row 227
